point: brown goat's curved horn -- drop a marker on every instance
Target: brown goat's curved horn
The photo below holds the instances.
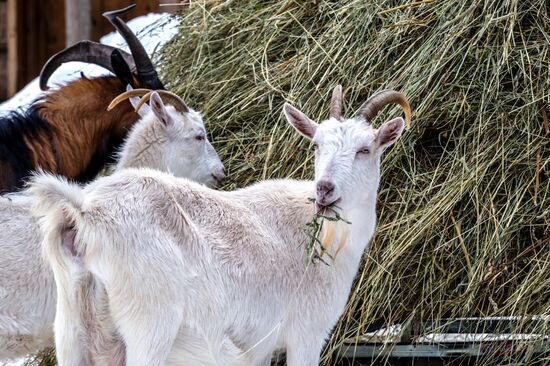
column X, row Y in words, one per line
column 166, row 96
column 336, row 103
column 84, row 51
column 375, row 103
column 144, row 65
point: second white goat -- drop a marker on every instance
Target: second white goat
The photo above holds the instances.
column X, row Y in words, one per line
column 164, row 139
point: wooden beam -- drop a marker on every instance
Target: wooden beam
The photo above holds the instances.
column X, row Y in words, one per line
column 3, row 17
column 13, row 48
column 3, row 51
column 438, row 350
column 78, row 20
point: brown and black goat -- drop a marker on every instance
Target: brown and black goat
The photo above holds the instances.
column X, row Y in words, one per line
column 68, row 131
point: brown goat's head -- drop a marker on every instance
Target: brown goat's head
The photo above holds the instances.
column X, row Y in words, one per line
column 135, row 69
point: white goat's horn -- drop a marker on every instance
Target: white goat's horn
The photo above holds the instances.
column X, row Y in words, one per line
column 126, row 95
column 374, row 104
column 166, row 96
column 336, row 103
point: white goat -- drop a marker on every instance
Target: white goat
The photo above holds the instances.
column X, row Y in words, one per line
column 164, row 139
column 195, row 276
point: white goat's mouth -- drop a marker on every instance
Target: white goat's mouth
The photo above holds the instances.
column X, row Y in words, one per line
column 326, row 208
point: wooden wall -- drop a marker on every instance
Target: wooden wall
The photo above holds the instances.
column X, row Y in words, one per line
column 33, row 30
column 3, row 50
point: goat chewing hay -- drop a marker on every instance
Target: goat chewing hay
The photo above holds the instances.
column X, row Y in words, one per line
column 328, row 219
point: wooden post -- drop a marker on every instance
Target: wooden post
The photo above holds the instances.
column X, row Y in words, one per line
column 3, row 51
column 13, row 48
column 78, row 20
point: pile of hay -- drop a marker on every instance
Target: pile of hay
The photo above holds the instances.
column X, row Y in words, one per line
column 464, row 205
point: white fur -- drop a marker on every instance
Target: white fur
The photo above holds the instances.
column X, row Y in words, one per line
column 27, row 288
column 195, row 276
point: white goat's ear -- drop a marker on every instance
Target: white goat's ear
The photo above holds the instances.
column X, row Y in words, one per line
column 158, row 108
column 144, row 108
column 389, row 132
column 134, row 102
column 300, row 121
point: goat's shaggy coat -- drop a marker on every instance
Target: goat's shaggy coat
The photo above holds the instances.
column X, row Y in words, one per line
column 63, row 133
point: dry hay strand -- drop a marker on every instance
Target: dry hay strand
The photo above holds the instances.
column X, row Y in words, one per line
column 464, row 203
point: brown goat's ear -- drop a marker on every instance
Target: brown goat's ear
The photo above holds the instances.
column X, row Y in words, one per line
column 300, row 121
column 158, row 108
column 389, row 132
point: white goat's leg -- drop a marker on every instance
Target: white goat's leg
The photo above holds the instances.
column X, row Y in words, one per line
column 302, row 353
column 303, row 357
column 146, row 306
column 68, row 326
column 149, row 336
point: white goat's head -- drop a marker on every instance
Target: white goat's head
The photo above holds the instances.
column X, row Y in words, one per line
column 179, row 131
column 348, row 151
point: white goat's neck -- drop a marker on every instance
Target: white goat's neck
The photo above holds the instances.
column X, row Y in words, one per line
column 143, row 146
column 361, row 212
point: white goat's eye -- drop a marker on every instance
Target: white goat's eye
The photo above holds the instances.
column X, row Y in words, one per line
column 315, row 145
column 363, row 151
column 199, row 137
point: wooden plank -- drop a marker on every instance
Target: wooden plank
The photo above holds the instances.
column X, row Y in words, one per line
column 3, row 50
column 173, row 6
column 436, row 350
column 13, row 59
column 78, row 20
column 3, row 15
column 29, row 42
column 35, row 31
column 3, row 78
column 54, row 27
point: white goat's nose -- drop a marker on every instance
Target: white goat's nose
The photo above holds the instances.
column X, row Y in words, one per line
column 219, row 175
column 325, row 190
